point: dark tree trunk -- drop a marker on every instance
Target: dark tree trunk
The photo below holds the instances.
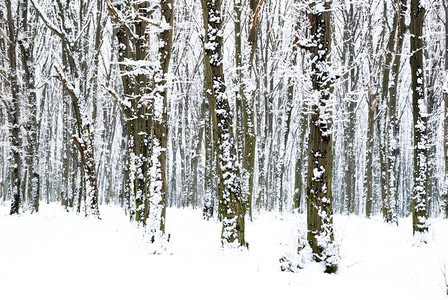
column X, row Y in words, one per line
column 26, row 49
column 13, row 109
column 320, row 155
column 445, row 114
column 231, row 204
column 420, row 192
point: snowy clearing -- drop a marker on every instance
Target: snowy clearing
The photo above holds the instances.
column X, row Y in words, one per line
column 59, row 255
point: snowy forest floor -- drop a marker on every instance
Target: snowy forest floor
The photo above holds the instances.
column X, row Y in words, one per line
column 59, row 255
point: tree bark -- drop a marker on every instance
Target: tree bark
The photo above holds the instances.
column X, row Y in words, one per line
column 158, row 181
column 420, row 191
column 232, row 206
column 369, row 155
column 387, row 141
column 26, row 48
column 350, row 86
column 245, row 97
column 13, row 109
column 320, row 154
column 145, row 105
column 445, row 114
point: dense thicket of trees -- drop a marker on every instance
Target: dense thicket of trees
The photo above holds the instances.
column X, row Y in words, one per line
column 233, row 107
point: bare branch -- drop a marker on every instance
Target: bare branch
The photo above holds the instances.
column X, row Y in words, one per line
column 115, row 15
column 7, row 106
column 115, row 96
column 64, row 83
column 256, row 13
column 148, row 21
column 47, row 21
column 99, row 48
column 4, row 35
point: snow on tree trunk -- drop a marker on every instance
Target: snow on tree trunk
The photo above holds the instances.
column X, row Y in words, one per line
column 133, row 49
column 445, row 114
column 244, row 55
column 372, row 103
column 158, row 182
column 145, row 105
column 369, row 155
column 389, row 122
column 229, row 188
column 420, row 117
column 319, row 184
column 13, row 110
column 209, row 182
column 26, row 42
column 395, row 46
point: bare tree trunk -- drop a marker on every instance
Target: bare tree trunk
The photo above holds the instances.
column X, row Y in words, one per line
column 196, row 155
column 350, row 85
column 320, row 154
column 300, row 165
column 209, row 187
column 158, row 185
column 132, row 46
column 13, row 109
column 372, row 101
column 26, row 48
column 245, row 97
column 232, row 207
column 445, row 114
column 387, row 161
column 145, row 105
column 369, row 155
column 395, row 48
column 420, row 192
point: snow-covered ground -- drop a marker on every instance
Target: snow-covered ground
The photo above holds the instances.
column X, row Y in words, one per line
column 59, row 255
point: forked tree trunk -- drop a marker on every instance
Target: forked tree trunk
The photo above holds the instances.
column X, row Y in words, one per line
column 145, row 106
column 231, row 204
column 133, row 46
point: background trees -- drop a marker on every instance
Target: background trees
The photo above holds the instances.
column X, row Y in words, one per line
column 125, row 81
column 79, row 83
